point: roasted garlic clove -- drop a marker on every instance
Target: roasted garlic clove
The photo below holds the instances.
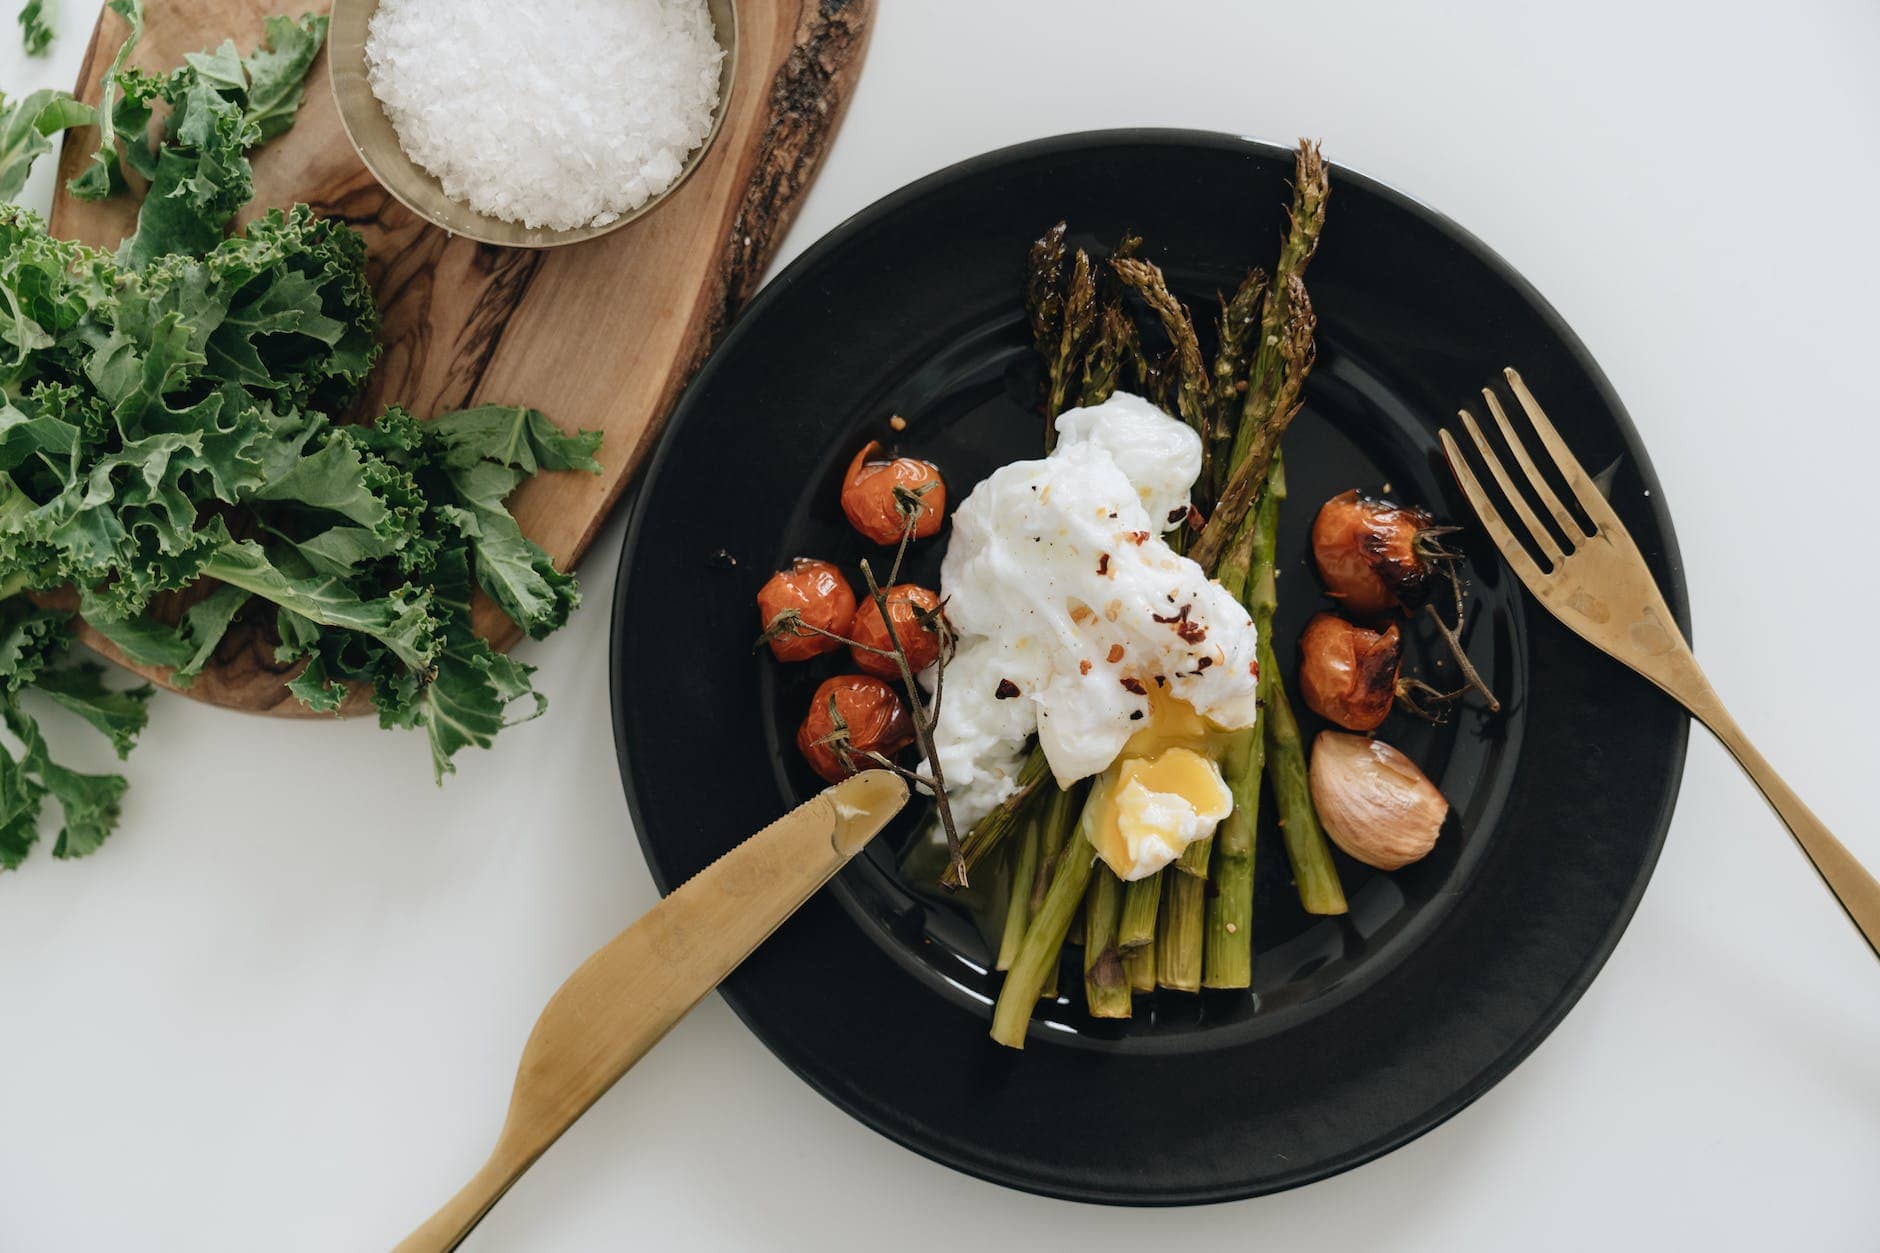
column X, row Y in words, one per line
column 1373, row 801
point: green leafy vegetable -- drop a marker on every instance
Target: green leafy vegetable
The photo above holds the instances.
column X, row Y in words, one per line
column 103, row 176
column 33, row 643
column 166, row 448
column 36, row 26
column 26, row 130
column 80, row 689
column 277, row 72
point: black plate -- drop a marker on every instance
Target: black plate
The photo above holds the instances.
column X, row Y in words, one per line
column 1362, row 1032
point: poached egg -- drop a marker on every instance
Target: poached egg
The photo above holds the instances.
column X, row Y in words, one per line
column 1078, row 622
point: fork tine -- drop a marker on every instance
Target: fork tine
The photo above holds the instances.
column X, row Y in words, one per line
column 1511, row 550
column 1584, row 490
column 1543, row 538
column 1569, row 526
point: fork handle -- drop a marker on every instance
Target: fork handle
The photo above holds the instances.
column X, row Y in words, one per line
column 1853, row 886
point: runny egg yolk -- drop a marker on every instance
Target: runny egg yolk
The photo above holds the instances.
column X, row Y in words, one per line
column 1162, row 794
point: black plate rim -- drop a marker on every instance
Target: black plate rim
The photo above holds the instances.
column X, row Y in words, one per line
column 1673, row 587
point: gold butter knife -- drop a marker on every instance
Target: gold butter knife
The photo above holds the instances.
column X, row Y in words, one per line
column 625, row 997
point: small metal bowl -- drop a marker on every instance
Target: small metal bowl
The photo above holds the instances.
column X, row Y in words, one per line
column 376, row 142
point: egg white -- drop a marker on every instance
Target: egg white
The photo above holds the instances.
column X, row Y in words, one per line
column 1070, row 607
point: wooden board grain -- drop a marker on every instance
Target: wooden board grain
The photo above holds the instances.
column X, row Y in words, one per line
column 602, row 335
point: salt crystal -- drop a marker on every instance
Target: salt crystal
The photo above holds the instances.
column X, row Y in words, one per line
column 551, row 113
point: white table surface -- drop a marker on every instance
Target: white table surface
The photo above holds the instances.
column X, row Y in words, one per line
column 281, row 1009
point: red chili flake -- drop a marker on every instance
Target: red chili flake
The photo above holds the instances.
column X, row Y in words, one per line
column 1139, row 538
column 1253, row 668
column 1178, row 513
column 1083, row 667
column 1103, row 564
column 1116, row 653
column 1190, row 632
column 1135, row 685
column 1203, row 664
column 1006, row 689
column 1195, row 521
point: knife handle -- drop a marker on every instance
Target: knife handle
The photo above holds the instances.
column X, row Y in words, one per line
column 631, row 991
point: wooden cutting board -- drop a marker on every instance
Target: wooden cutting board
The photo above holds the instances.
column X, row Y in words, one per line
column 602, row 335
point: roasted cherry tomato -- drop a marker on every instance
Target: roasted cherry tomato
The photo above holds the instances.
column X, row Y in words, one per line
column 1348, row 674
column 868, row 495
column 908, row 605
column 1370, row 553
column 819, row 595
column 874, row 718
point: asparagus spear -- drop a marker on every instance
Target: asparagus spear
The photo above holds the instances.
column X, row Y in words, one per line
column 1178, row 944
column 1038, row 955
column 1306, row 846
column 1063, row 313
column 1142, row 901
column 1228, row 948
column 1190, row 373
column 1139, row 967
column 1232, row 576
column 989, row 832
column 1055, row 837
column 1106, row 986
column 1044, row 298
column 1080, row 318
column 1235, row 336
column 1257, row 441
column 1104, row 363
column 1281, row 363
column 1018, row 901
column 1311, row 189
column 1180, row 939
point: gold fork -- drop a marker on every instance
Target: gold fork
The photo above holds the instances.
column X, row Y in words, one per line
column 1598, row 585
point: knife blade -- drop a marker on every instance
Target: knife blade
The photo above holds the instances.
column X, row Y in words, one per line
column 620, row 1001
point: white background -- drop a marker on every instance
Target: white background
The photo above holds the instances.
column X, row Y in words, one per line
column 281, row 1009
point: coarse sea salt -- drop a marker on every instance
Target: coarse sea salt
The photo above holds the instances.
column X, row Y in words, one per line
column 551, row 113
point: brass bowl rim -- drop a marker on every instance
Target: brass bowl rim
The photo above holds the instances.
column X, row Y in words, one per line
column 470, row 223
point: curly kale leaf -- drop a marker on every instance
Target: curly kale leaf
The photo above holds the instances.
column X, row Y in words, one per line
column 104, row 175
column 277, row 72
column 26, row 130
column 79, row 689
column 30, row 640
column 36, row 26
column 299, row 322
column 32, row 647
column 487, row 452
column 90, row 802
column 467, row 700
column 184, row 648
column 220, row 106
column 202, row 176
column 511, row 435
